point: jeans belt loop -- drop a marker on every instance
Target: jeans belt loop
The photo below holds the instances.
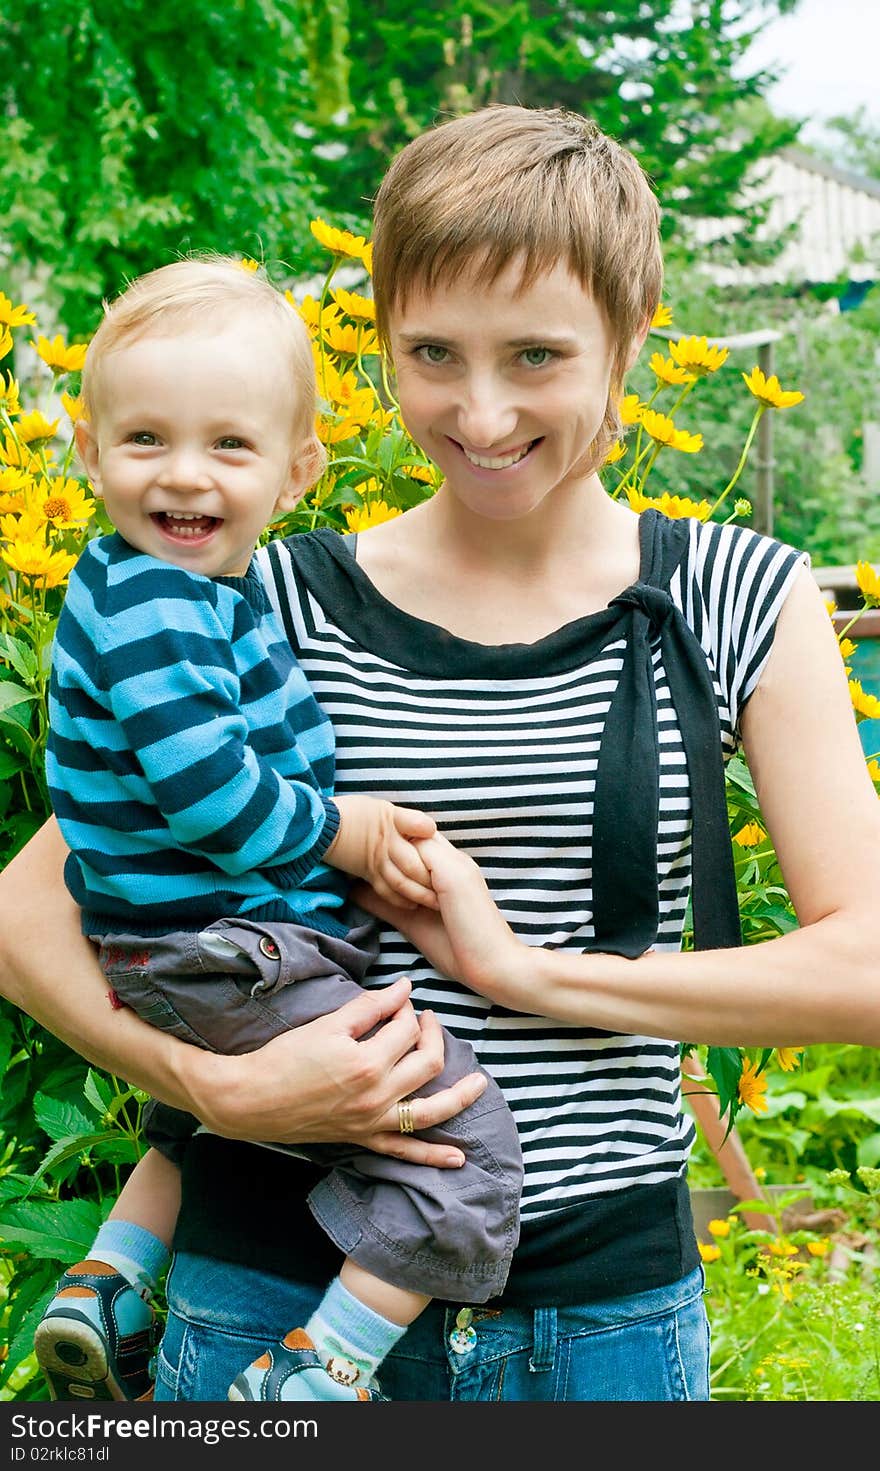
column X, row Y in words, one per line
column 544, row 1344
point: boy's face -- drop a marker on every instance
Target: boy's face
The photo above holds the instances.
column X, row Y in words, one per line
column 191, row 445
column 505, row 389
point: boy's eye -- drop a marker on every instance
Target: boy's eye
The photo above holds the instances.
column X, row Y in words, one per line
column 142, row 436
column 536, row 357
column 229, row 441
column 432, row 352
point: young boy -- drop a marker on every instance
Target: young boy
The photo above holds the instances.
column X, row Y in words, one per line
column 191, row 772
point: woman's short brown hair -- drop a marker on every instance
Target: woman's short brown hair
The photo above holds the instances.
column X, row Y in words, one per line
column 539, row 185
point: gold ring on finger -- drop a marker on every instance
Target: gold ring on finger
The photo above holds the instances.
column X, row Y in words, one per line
column 405, row 1117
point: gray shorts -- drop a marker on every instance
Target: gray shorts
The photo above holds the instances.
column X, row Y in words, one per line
column 237, row 984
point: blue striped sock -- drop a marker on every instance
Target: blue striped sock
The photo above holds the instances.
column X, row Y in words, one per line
column 343, row 1327
column 134, row 1251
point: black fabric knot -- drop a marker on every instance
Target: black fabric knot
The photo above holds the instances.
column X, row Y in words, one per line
column 655, row 602
column 626, row 811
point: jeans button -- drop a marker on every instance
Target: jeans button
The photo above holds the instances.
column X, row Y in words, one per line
column 463, row 1337
column 269, row 948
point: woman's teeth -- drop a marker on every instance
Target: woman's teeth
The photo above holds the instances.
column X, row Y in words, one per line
column 497, row 462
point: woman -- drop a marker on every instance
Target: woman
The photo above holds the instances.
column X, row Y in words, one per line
column 556, row 681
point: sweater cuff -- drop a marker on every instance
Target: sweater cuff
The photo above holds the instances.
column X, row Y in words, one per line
column 291, row 875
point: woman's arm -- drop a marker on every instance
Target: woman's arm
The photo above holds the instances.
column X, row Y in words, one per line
column 318, row 1083
column 820, row 983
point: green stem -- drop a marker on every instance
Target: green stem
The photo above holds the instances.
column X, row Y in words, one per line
column 742, row 459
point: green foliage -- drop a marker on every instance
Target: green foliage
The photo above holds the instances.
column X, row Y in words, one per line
column 657, row 75
column 790, row 1325
column 130, row 133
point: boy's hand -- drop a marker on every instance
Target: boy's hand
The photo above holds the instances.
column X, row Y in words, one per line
column 376, row 842
column 469, row 939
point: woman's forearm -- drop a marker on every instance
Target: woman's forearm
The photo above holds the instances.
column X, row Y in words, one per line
column 49, row 969
column 817, row 984
column 338, row 1078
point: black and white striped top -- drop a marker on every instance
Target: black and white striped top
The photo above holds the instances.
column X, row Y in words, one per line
column 500, row 745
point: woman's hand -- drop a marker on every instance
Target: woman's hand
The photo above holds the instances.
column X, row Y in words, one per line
column 469, row 939
column 328, row 1081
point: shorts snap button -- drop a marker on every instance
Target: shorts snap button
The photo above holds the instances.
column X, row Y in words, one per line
column 269, row 948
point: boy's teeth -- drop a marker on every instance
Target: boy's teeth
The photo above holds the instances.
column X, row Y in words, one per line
column 497, row 462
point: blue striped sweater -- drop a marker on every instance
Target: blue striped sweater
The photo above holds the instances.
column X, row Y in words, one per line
column 189, row 765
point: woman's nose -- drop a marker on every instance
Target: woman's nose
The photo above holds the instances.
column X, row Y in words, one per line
column 487, row 417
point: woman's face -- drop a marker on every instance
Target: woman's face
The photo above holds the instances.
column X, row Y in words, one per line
column 504, row 388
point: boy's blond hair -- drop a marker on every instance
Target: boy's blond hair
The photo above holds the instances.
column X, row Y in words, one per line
column 209, row 289
column 540, row 185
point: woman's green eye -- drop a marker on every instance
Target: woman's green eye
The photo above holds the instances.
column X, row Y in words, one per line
column 536, row 357
column 433, row 352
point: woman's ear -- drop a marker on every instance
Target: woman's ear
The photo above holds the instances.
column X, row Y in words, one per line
column 87, row 449
column 637, row 343
column 305, row 470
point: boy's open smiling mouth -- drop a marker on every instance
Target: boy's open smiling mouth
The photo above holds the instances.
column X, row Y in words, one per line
column 185, row 525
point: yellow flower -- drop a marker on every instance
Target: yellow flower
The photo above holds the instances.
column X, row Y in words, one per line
column 64, row 502
column 708, row 1253
column 782, row 1247
column 847, row 647
column 662, row 316
column 742, row 507
column 312, row 315
column 719, row 1228
column 695, row 354
column 788, row 1058
column 338, row 242
column 15, row 316
column 425, row 473
column 667, row 371
column 58, row 356
column 248, row 264
column 863, row 703
column 360, row 308
column 616, row 452
column 874, row 770
column 818, row 1248
column 28, row 525
column 13, row 482
column 5, row 342
column 868, row 583
column 631, row 408
column 349, row 340
column 358, row 518
column 752, row 1088
column 18, row 454
column 663, row 431
column 767, row 390
column 74, row 407
column 674, row 506
column 32, row 559
column 367, row 257
column 750, row 835
column 9, row 395
column 33, row 427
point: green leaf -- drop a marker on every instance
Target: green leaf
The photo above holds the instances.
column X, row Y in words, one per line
column 58, row 1230
column 19, row 655
column 67, row 1149
column 10, row 765
column 12, row 694
column 61, row 1119
column 724, row 1064
column 98, row 1093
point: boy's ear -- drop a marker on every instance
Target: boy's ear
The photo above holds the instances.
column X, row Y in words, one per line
column 305, row 470
column 87, row 448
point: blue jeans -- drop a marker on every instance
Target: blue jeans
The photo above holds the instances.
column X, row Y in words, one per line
column 652, row 1345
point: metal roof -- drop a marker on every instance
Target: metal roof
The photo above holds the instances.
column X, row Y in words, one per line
column 838, row 218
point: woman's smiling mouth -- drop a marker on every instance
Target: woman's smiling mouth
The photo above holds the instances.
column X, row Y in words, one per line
column 497, row 462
